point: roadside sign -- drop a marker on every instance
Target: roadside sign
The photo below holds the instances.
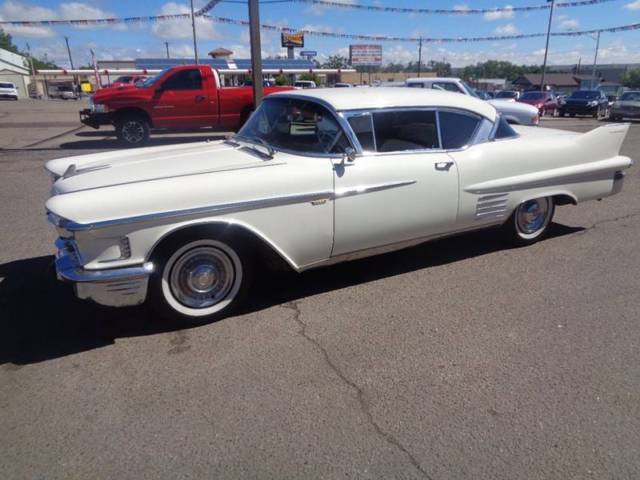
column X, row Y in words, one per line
column 308, row 53
column 365, row 55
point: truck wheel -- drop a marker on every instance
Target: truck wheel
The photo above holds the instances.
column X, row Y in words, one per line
column 132, row 130
column 199, row 279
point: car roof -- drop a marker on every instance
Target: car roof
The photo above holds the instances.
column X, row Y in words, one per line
column 390, row 97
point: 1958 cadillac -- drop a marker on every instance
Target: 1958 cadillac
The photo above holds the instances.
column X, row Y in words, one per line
column 314, row 178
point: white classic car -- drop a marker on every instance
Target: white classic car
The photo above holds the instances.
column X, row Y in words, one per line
column 314, row 177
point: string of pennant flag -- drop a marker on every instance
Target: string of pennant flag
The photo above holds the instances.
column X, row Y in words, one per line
column 463, row 10
column 378, row 38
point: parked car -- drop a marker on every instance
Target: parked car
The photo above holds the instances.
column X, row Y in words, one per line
column 508, row 95
column 628, row 105
column 8, row 90
column 545, row 102
column 67, row 92
column 342, row 85
column 515, row 113
column 184, row 97
column 303, row 84
column 484, row 95
column 586, row 102
column 127, row 81
column 313, row 178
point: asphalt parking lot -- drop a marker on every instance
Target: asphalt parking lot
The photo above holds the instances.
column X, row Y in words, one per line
column 460, row 358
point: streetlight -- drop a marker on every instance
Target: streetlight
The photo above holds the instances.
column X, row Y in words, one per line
column 595, row 61
column 546, row 48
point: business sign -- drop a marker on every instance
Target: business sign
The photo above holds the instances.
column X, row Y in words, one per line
column 365, row 55
column 308, row 53
column 294, row 40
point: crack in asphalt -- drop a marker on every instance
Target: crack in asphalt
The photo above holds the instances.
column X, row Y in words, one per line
column 364, row 406
column 594, row 225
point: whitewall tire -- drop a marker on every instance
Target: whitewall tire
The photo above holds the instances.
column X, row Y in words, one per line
column 529, row 221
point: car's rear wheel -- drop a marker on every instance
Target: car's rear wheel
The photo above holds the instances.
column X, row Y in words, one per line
column 198, row 280
column 529, row 221
column 132, row 130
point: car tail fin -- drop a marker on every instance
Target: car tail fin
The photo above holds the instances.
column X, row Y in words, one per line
column 604, row 141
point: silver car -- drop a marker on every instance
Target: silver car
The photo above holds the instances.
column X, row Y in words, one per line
column 628, row 105
column 512, row 111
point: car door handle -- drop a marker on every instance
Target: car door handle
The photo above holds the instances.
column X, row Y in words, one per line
column 443, row 166
column 200, row 98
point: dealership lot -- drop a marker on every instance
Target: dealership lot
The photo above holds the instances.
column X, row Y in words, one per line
column 460, row 358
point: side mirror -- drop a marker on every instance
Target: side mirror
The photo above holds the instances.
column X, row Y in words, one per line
column 349, row 154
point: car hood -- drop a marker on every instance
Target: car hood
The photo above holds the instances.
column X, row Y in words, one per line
column 87, row 172
column 580, row 101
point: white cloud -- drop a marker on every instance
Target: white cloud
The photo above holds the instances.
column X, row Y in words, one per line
column 570, row 24
column 318, row 10
column 461, row 8
column 508, row 29
column 11, row 10
column 504, row 14
column 633, row 5
column 77, row 10
column 181, row 28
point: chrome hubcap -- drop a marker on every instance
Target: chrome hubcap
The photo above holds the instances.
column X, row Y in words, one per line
column 202, row 277
column 132, row 131
column 532, row 215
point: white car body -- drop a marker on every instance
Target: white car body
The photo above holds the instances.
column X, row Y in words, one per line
column 113, row 209
column 514, row 112
column 304, row 84
column 8, row 90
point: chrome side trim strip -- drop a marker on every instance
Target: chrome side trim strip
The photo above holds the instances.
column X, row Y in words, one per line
column 219, row 209
column 350, row 192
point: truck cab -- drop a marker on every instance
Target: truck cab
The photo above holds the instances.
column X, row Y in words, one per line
column 183, row 97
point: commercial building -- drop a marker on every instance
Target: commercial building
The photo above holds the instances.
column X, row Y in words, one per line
column 14, row 69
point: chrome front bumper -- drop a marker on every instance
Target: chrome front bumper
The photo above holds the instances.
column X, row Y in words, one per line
column 117, row 287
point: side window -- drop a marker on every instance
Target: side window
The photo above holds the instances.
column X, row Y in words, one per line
column 456, row 129
column 405, row 130
column 504, row 130
column 448, row 86
column 184, row 80
column 363, row 128
column 415, row 84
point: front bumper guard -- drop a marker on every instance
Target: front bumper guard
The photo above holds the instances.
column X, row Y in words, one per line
column 95, row 119
column 116, row 287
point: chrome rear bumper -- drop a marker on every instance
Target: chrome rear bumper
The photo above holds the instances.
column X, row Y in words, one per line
column 117, row 287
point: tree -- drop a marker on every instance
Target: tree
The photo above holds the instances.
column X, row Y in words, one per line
column 282, row 80
column 632, row 78
column 336, row 61
column 442, row 69
column 497, row 69
column 6, row 42
column 310, row 76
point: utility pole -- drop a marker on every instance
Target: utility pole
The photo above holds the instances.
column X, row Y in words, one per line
column 256, row 51
column 66, row 39
column 546, row 48
column 193, row 27
column 419, row 56
column 595, row 61
column 33, row 70
column 166, row 45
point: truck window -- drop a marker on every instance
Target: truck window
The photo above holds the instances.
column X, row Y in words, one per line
column 448, row 86
column 190, row 79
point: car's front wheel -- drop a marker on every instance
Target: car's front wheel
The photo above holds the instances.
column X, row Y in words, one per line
column 198, row 279
column 529, row 221
column 132, row 130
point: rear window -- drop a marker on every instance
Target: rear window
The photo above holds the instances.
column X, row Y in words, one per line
column 457, row 129
column 7, row 85
column 505, row 130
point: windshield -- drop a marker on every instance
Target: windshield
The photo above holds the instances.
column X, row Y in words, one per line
column 470, row 91
column 631, row 97
column 532, row 96
column 588, row 94
column 506, row 94
column 151, row 80
column 295, row 124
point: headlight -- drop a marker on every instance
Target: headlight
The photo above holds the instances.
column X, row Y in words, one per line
column 592, row 104
column 100, row 108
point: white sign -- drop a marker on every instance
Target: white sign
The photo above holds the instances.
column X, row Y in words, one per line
column 363, row 55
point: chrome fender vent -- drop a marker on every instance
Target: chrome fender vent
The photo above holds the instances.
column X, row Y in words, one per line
column 492, row 206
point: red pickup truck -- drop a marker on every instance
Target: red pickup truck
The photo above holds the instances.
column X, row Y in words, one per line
column 184, row 97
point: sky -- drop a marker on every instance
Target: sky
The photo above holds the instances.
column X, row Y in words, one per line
column 147, row 39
